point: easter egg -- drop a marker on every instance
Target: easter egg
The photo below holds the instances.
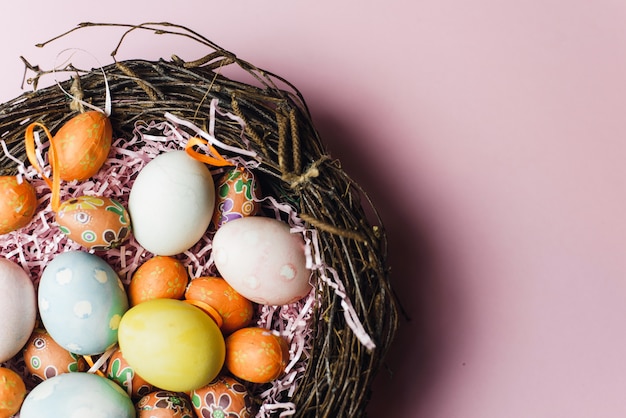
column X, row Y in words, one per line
column 18, row 308
column 237, row 195
column 235, row 310
column 165, row 404
column 119, row 371
column 81, row 302
column 18, row 202
column 45, row 358
column 256, row 354
column 262, row 260
column 82, row 145
column 171, row 203
column 77, row 395
column 12, row 392
column 172, row 344
column 223, row 397
column 96, row 223
column 159, row 277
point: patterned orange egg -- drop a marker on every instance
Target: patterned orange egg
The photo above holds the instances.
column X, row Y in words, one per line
column 45, row 358
column 12, row 392
column 256, row 354
column 164, row 404
column 235, row 310
column 224, row 397
column 82, row 145
column 237, row 194
column 18, row 202
column 159, row 277
column 121, row 373
column 97, row 223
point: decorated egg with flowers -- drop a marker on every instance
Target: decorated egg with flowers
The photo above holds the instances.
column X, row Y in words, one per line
column 237, row 195
column 45, row 358
column 223, row 397
column 159, row 277
column 165, row 404
column 119, row 371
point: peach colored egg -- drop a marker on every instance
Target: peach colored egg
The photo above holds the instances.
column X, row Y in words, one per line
column 235, row 310
column 82, row 145
column 119, row 371
column 18, row 202
column 45, row 358
column 256, row 354
column 224, row 397
column 96, row 223
column 12, row 392
column 237, row 194
column 165, row 404
column 159, row 277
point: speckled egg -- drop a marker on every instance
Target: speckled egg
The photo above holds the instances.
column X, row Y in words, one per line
column 224, row 397
column 96, row 223
column 262, row 260
column 159, row 277
column 165, row 404
column 77, row 395
column 45, row 358
column 119, row 371
column 237, row 195
column 12, row 392
column 81, row 302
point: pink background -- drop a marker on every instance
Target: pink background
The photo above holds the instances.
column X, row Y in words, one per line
column 490, row 134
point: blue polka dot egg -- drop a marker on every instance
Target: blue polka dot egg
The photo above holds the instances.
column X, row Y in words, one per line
column 81, row 302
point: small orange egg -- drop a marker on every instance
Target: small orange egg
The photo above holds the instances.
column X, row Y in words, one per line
column 235, row 310
column 159, row 277
column 12, row 392
column 119, row 371
column 18, row 202
column 82, row 145
column 223, row 397
column 256, row 355
column 45, row 358
column 97, row 223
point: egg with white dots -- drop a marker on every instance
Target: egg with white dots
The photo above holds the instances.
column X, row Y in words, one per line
column 81, row 302
column 262, row 260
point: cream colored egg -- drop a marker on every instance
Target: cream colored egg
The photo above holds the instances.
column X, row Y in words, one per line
column 18, row 308
column 262, row 260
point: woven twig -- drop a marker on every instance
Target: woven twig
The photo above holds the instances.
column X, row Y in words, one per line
column 294, row 166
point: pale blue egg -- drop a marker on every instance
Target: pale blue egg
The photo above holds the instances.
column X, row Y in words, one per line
column 81, row 302
column 77, row 395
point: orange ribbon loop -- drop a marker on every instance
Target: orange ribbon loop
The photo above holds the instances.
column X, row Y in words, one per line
column 55, row 183
column 214, row 158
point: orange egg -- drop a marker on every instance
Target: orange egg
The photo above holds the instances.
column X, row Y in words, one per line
column 223, row 397
column 164, row 404
column 82, row 145
column 256, row 354
column 119, row 371
column 12, row 392
column 97, row 223
column 45, row 358
column 235, row 310
column 237, row 193
column 18, row 202
column 159, row 277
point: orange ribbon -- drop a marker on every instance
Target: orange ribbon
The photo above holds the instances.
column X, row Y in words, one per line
column 55, row 183
column 214, row 158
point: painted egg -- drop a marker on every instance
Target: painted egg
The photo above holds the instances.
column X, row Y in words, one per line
column 235, row 310
column 237, row 195
column 171, row 203
column 12, row 392
column 262, row 260
column 81, row 302
column 18, row 308
column 96, row 223
column 224, row 397
column 18, row 202
column 256, row 354
column 172, row 344
column 159, row 277
column 77, row 395
column 119, row 371
column 45, row 358
column 82, row 145
column 165, row 404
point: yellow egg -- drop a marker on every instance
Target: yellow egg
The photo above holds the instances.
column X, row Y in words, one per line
column 18, row 202
column 172, row 344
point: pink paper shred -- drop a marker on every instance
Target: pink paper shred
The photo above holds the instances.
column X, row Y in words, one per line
column 35, row 245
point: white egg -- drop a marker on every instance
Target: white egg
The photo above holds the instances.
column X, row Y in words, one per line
column 18, row 308
column 171, row 203
column 262, row 260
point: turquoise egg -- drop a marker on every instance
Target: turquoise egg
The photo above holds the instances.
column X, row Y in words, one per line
column 77, row 395
column 81, row 302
